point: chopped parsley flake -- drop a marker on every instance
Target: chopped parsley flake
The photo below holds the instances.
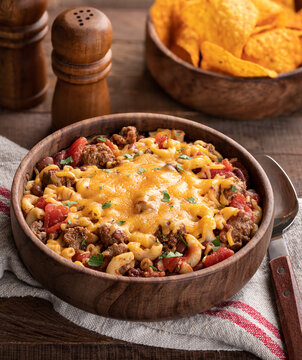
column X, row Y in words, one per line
column 121, row 222
column 156, row 168
column 128, row 175
column 153, row 267
column 234, row 188
column 183, row 240
column 91, row 175
column 70, row 203
column 191, row 200
column 179, row 167
column 83, row 242
column 181, row 149
column 157, row 240
column 183, row 156
column 141, row 170
column 220, row 159
column 164, row 236
column 127, row 156
column 107, row 205
column 101, row 138
column 96, row 261
column 136, row 155
column 100, row 187
column 216, row 242
column 170, row 255
column 166, row 195
column 69, row 222
column 107, row 170
column 67, row 160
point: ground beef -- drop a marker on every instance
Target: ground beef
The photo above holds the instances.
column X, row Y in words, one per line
column 74, row 236
column 241, row 226
column 112, row 251
column 50, row 177
column 172, row 240
column 133, row 272
column 107, row 238
column 142, row 206
column 128, row 135
column 229, row 193
column 37, row 228
column 98, row 154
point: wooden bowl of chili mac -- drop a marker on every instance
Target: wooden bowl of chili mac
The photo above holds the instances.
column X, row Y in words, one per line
column 141, row 216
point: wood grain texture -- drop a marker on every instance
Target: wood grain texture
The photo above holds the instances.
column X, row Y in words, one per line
column 220, row 95
column 81, row 59
column 131, row 88
column 289, row 305
column 113, row 296
column 23, row 25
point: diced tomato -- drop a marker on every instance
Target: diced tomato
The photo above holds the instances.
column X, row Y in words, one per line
column 109, row 144
column 54, row 228
column 75, row 150
column 55, row 214
column 249, row 211
column 227, row 164
column 78, row 256
column 221, row 254
column 253, row 195
column 171, row 263
column 238, row 201
column 160, row 139
column 226, row 171
column 41, row 203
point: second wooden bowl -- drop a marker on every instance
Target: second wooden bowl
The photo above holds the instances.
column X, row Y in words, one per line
column 221, row 95
column 140, row 298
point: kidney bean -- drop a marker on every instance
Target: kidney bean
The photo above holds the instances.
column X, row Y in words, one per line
column 134, row 272
column 239, row 174
column 44, row 162
column 36, row 190
column 58, row 157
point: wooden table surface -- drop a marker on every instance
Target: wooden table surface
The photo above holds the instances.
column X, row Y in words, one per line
column 30, row 328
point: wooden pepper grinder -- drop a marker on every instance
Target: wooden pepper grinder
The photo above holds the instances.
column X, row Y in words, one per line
column 81, row 59
column 23, row 80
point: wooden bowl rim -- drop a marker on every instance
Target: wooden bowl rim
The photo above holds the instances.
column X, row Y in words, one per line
column 153, row 34
column 265, row 223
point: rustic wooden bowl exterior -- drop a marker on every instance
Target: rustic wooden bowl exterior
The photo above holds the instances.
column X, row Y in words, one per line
column 220, row 95
column 127, row 298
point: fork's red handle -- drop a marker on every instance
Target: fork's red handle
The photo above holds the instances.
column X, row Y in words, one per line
column 289, row 304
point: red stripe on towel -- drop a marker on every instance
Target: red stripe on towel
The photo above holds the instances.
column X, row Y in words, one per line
column 4, row 208
column 5, row 192
column 250, row 328
column 254, row 314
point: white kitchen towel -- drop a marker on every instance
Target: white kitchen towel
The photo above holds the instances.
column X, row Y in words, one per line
column 248, row 321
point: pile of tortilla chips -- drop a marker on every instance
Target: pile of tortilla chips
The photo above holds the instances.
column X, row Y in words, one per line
column 245, row 38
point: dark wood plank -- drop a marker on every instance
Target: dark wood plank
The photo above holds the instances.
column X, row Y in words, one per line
column 61, row 339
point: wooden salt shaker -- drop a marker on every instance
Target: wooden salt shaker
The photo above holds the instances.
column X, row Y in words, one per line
column 23, row 80
column 81, row 59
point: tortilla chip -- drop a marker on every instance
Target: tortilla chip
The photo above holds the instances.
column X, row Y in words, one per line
column 186, row 45
column 268, row 11
column 263, row 28
column 161, row 13
column 215, row 58
column 277, row 49
column 229, row 23
column 290, row 19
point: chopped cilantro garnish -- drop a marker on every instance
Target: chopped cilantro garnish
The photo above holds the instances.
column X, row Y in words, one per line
column 183, row 156
column 171, row 206
column 157, row 240
column 106, row 205
column 181, row 149
column 67, row 160
column 70, row 203
column 96, row 260
column 128, row 175
column 127, row 156
column 101, row 138
column 166, row 195
column 220, row 159
column 164, row 236
column 83, row 242
column 141, row 170
column 107, row 170
column 91, row 175
column 234, row 188
column 69, row 222
column 179, row 167
column 100, row 187
column 191, row 200
column 156, row 168
column 170, row 255
column 216, row 242
column 178, row 132
column 136, row 155
column 121, row 222
column 183, row 240
column 153, row 267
